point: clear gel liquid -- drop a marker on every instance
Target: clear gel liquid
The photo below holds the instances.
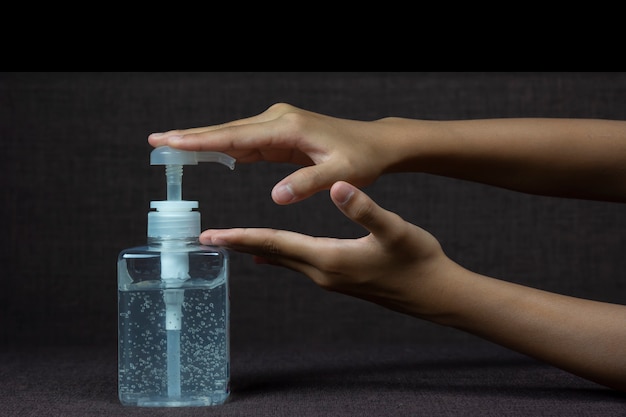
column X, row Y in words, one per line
column 173, row 368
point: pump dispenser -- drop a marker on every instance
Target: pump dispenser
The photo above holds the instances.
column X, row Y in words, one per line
column 173, row 302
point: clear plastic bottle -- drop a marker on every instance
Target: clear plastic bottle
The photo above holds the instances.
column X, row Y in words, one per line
column 174, row 313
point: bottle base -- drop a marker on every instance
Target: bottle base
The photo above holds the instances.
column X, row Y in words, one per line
column 197, row 401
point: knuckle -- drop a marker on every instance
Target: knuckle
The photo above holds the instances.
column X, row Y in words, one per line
column 280, row 108
column 270, row 247
column 295, row 121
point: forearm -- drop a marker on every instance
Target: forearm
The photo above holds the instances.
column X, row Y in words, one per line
column 579, row 158
column 584, row 337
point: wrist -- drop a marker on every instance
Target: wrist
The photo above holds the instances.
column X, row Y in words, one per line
column 432, row 293
column 412, row 145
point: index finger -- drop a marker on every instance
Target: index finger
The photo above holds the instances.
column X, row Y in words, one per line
column 268, row 243
column 290, row 249
column 164, row 138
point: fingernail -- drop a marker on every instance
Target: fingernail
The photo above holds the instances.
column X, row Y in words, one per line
column 207, row 239
column 156, row 135
column 216, row 241
column 283, row 194
column 176, row 138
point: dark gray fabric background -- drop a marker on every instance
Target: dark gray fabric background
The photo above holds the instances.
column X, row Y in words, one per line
column 77, row 183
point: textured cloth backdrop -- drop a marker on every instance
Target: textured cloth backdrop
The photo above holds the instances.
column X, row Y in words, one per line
column 77, row 185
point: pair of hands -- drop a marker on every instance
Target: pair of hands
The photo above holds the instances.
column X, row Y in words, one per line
column 401, row 266
column 386, row 265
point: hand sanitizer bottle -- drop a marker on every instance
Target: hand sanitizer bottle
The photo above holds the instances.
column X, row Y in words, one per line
column 173, row 303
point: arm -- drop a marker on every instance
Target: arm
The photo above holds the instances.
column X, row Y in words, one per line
column 582, row 158
column 402, row 267
column 584, row 337
column 579, row 158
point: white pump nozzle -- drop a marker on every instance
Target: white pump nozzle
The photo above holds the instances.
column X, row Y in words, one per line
column 174, row 159
column 164, row 155
column 174, row 218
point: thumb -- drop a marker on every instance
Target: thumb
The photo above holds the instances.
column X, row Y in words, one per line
column 303, row 183
column 361, row 209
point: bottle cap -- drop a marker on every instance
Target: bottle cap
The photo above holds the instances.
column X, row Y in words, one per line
column 173, row 220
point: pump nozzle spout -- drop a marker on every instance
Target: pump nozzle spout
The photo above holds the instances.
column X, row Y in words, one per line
column 174, row 159
column 220, row 158
column 165, row 155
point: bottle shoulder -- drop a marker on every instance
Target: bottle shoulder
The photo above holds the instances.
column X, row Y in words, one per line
column 156, row 250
